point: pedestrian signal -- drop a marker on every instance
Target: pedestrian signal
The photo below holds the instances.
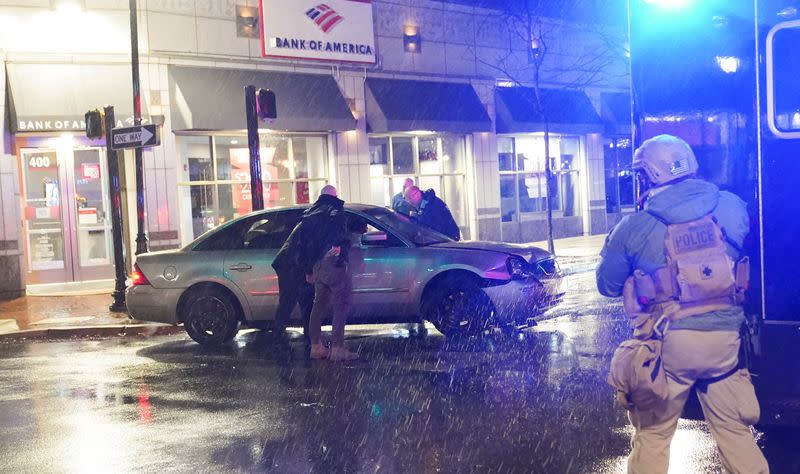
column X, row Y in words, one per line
column 265, row 105
column 94, row 124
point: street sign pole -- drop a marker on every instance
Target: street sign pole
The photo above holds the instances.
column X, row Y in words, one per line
column 256, row 189
column 141, row 238
column 116, row 215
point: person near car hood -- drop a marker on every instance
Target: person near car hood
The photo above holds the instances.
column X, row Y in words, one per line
column 432, row 212
column 399, row 203
column 675, row 262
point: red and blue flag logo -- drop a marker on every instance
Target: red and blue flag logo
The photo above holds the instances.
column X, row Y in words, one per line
column 324, row 16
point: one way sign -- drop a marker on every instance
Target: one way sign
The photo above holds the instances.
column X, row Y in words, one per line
column 135, row 137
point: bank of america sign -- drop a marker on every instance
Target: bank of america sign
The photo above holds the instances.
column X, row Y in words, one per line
column 328, row 30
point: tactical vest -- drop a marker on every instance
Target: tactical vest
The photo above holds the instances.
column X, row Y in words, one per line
column 699, row 276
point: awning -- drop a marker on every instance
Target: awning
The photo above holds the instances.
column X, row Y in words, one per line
column 615, row 108
column 395, row 105
column 567, row 111
column 54, row 97
column 213, row 99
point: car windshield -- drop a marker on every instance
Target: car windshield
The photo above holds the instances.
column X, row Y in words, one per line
column 406, row 227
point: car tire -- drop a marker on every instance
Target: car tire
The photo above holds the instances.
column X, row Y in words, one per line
column 211, row 318
column 459, row 307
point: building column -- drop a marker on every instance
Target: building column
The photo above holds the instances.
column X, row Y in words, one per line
column 160, row 164
column 350, row 154
column 486, row 172
column 12, row 268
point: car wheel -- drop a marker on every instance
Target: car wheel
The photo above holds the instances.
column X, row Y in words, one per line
column 211, row 318
column 459, row 308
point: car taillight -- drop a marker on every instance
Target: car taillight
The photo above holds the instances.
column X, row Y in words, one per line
column 137, row 277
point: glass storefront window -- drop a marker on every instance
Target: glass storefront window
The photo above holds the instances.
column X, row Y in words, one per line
column 429, row 159
column 453, row 154
column 618, row 158
column 379, row 156
column 307, row 152
column 294, row 168
column 403, row 155
column 505, row 154
column 433, row 161
column 523, row 182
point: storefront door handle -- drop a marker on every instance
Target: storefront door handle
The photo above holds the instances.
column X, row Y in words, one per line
column 241, row 267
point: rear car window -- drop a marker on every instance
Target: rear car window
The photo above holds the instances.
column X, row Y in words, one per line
column 271, row 231
column 268, row 230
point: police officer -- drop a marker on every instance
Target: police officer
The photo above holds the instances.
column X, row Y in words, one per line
column 432, row 212
column 695, row 288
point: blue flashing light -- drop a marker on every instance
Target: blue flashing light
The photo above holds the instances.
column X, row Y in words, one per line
column 671, row 4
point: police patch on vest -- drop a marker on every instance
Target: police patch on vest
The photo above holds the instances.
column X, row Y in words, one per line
column 695, row 237
column 706, row 272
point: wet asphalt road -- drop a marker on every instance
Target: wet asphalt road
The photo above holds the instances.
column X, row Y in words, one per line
column 414, row 403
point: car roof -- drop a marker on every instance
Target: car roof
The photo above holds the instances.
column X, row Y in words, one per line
column 353, row 206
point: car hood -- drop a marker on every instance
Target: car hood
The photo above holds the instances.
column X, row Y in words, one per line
column 530, row 253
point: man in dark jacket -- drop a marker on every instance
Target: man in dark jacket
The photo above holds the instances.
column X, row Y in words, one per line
column 305, row 246
column 292, row 284
column 326, row 261
column 432, row 212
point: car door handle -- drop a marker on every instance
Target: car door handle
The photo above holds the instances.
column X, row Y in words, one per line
column 240, row 267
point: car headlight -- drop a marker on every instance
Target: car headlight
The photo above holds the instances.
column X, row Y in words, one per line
column 547, row 267
column 518, row 267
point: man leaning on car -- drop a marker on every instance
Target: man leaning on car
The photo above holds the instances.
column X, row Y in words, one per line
column 327, row 261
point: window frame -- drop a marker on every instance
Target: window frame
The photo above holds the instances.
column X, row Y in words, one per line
column 770, row 85
column 519, row 216
column 215, row 185
column 395, row 180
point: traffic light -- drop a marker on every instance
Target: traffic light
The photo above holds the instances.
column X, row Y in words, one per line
column 94, row 124
column 265, row 105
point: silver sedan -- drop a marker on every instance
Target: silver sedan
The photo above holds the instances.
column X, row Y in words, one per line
column 402, row 272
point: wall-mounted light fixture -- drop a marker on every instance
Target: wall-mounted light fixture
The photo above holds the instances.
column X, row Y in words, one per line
column 247, row 22
column 68, row 5
column 412, row 41
column 535, row 53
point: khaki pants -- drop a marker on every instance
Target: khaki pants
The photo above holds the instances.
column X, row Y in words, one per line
column 729, row 405
column 333, row 288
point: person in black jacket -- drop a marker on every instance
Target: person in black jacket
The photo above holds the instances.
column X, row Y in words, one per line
column 432, row 212
column 292, row 284
column 326, row 261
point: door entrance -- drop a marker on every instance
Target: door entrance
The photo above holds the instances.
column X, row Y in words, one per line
column 67, row 222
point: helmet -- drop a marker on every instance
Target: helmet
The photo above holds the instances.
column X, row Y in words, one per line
column 665, row 158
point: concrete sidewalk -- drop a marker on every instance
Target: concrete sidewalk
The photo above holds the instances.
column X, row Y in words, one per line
column 58, row 317
column 577, row 254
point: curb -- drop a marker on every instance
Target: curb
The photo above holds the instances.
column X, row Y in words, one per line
column 126, row 330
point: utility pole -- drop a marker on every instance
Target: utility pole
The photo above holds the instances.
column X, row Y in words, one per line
column 112, row 158
column 256, row 189
column 141, row 238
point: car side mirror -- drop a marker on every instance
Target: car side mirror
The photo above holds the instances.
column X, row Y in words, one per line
column 373, row 239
